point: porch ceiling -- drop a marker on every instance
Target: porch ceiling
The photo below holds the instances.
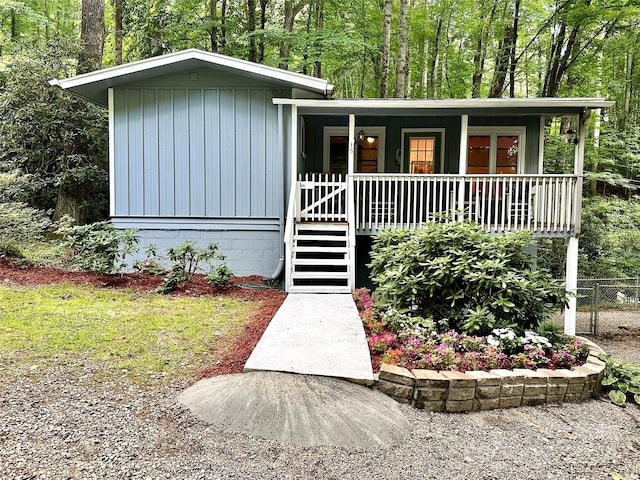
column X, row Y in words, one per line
column 474, row 106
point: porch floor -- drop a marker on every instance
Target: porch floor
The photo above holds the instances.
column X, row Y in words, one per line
column 315, row 334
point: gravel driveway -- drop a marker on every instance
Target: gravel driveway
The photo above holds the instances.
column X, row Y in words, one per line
column 59, row 425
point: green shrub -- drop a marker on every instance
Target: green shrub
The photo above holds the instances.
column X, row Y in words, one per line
column 220, row 275
column 621, row 380
column 185, row 261
column 18, row 221
column 462, row 278
column 96, row 247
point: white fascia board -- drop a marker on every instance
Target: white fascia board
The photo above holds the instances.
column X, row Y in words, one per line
column 298, row 79
column 450, row 103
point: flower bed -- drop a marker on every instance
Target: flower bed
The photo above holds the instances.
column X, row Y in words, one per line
column 403, row 341
column 456, row 372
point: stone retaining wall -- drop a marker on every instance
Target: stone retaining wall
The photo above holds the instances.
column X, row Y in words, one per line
column 460, row 392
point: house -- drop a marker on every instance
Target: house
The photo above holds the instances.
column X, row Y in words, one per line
column 263, row 161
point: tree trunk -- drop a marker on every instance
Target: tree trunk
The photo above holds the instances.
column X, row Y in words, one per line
column 513, row 61
column 223, row 27
column 502, row 64
column 564, row 50
column 213, row 29
column 291, row 10
column 435, row 60
column 251, row 28
column 402, row 68
column 628, row 90
column 386, row 49
column 480, row 54
column 91, row 36
column 118, row 32
column 317, row 64
column 263, row 22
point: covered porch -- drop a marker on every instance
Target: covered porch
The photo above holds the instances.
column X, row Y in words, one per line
column 357, row 167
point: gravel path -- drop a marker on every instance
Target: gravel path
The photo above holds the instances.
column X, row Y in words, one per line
column 67, row 425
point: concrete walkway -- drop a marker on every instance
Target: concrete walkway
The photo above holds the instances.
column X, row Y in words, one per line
column 299, row 410
column 315, row 334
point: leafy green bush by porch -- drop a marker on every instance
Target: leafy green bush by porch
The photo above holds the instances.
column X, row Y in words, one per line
column 463, row 278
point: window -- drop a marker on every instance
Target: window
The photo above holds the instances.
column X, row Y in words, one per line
column 495, row 150
column 422, row 150
column 421, row 154
column 369, row 155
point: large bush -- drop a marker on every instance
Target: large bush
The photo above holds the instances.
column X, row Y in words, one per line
column 463, row 278
column 18, row 221
column 60, row 140
column 96, row 247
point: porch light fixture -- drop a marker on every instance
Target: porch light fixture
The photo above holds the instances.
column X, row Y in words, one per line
column 360, row 137
column 572, row 136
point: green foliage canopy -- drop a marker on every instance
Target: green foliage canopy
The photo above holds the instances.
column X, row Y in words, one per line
column 57, row 139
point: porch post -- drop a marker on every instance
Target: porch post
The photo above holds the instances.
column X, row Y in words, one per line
column 352, row 140
column 462, row 161
column 578, row 169
column 572, row 286
column 294, row 144
column 351, row 218
column 112, row 156
column 572, row 249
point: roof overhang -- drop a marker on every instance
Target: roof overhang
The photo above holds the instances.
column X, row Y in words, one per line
column 94, row 85
column 478, row 106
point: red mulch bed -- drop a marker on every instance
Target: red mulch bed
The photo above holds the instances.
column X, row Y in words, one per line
column 21, row 273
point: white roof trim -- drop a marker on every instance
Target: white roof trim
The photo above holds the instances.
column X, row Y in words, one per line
column 303, row 81
column 395, row 103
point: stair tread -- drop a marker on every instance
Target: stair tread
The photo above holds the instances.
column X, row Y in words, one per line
column 319, row 289
column 321, row 238
column 320, row 275
column 320, row 249
column 334, row 262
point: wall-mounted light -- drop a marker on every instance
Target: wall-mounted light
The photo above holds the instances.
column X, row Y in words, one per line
column 360, row 137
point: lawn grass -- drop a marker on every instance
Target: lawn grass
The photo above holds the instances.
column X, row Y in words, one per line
column 145, row 335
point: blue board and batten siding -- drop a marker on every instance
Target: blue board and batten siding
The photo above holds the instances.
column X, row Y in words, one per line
column 201, row 164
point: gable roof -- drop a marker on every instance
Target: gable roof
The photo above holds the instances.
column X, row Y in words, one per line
column 94, row 85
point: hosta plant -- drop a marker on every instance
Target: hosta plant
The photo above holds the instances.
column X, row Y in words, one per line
column 621, row 380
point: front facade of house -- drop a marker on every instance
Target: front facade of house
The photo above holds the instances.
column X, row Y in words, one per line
column 208, row 148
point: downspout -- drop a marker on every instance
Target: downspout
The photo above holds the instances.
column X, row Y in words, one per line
column 281, row 262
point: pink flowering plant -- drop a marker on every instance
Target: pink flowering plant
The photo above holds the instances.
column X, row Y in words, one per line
column 400, row 339
column 380, row 342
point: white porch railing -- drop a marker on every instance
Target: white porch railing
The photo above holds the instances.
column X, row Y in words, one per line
column 544, row 204
column 321, row 197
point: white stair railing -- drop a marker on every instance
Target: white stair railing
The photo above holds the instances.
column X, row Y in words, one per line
column 322, row 197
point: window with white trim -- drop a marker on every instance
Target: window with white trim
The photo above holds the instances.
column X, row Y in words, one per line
column 495, row 150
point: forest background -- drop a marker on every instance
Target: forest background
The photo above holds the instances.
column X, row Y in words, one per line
column 53, row 147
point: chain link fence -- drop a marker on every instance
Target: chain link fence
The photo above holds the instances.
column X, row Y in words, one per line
column 607, row 305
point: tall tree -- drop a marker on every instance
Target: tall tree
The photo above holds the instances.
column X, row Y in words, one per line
column 386, row 49
column 481, row 40
column 118, row 30
column 91, row 36
column 402, row 67
column 251, row 30
column 263, row 24
column 291, row 10
column 213, row 24
column 505, row 60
